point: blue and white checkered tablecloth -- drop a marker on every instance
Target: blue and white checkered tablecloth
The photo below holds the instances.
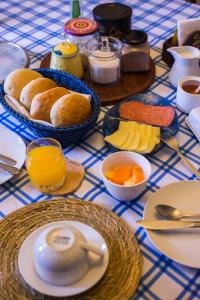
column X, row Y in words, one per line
column 37, row 25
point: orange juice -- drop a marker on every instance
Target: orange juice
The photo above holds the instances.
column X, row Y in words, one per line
column 46, row 167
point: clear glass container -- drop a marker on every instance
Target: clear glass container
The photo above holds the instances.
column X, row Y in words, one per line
column 79, row 31
column 136, row 52
column 104, row 59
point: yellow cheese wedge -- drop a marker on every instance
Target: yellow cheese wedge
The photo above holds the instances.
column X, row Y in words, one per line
column 117, row 138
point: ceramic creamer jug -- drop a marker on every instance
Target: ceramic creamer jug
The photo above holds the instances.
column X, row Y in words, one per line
column 186, row 63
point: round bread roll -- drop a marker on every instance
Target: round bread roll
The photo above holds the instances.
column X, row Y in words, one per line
column 42, row 103
column 17, row 79
column 33, row 88
column 70, row 110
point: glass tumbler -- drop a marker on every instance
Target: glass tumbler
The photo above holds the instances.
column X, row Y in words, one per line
column 46, row 164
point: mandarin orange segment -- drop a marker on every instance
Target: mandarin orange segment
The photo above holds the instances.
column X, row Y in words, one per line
column 125, row 173
column 138, row 174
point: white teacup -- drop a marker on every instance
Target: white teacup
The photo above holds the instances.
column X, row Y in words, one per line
column 186, row 101
column 61, row 255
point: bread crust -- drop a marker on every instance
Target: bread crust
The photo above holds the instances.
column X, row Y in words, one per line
column 16, row 81
column 42, row 103
column 33, row 88
column 70, row 110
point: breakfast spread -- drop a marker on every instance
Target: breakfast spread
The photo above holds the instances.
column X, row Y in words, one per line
column 148, row 114
column 125, row 174
column 68, row 257
column 136, row 137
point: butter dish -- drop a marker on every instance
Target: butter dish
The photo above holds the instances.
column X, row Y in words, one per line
column 193, row 121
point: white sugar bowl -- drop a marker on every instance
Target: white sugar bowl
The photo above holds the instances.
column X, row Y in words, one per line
column 61, row 255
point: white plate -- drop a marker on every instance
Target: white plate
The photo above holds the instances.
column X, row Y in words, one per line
column 90, row 279
column 182, row 246
column 12, row 146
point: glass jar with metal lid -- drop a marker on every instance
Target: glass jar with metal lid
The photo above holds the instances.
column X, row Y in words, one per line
column 79, row 31
column 65, row 56
column 136, row 51
column 104, row 59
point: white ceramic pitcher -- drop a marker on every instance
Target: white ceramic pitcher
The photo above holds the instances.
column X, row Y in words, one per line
column 186, row 63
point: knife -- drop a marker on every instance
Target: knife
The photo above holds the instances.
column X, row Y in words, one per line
column 10, row 169
column 7, row 159
column 167, row 225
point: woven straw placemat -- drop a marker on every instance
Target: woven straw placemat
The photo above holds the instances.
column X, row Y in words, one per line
column 123, row 274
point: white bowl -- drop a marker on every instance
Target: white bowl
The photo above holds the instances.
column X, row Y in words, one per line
column 121, row 192
column 186, row 101
column 61, row 255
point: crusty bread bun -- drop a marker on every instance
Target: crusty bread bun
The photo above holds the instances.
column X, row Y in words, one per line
column 33, row 88
column 42, row 103
column 70, row 110
column 16, row 80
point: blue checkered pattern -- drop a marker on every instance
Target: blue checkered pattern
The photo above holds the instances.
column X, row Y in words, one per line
column 37, row 25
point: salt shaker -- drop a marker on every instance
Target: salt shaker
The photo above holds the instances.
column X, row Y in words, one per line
column 104, row 59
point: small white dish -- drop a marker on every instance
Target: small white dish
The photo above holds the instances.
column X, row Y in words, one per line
column 12, row 146
column 193, row 121
column 121, row 192
column 186, row 101
column 93, row 275
column 181, row 246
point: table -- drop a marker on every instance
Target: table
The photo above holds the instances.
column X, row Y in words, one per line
column 37, row 25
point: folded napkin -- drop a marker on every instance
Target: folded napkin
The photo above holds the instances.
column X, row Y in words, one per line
column 193, row 121
column 185, row 28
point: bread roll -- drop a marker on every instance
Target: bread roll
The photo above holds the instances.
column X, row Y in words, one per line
column 17, row 79
column 33, row 88
column 70, row 110
column 42, row 103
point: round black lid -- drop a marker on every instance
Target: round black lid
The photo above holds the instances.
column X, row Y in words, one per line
column 135, row 37
column 112, row 12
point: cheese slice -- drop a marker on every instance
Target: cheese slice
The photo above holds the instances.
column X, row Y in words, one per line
column 141, row 138
column 117, row 138
column 128, row 141
column 143, row 145
column 135, row 142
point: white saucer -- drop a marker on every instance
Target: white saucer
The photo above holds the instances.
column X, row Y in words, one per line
column 90, row 279
column 182, row 245
column 12, row 146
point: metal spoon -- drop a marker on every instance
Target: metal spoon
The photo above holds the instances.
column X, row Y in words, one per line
column 173, row 213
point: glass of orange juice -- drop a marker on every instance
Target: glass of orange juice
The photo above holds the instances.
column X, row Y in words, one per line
column 46, row 165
